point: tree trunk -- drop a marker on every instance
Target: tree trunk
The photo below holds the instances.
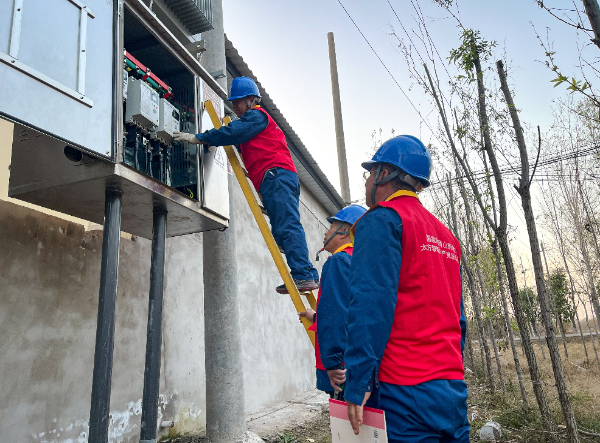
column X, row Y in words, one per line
column 505, row 312
column 563, row 254
column 587, row 321
column 588, row 268
column 490, row 326
column 558, row 315
column 524, row 191
column 508, row 326
column 469, row 351
column 474, row 253
column 501, row 235
column 478, row 318
column 593, row 12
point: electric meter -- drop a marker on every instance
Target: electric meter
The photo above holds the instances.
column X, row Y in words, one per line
column 142, row 104
column 168, row 121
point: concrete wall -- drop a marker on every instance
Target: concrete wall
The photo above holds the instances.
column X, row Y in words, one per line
column 49, row 275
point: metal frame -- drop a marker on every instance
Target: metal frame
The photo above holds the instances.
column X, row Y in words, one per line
column 166, row 38
column 15, row 32
column 12, row 58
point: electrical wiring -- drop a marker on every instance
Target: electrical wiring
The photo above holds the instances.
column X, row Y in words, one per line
column 386, row 68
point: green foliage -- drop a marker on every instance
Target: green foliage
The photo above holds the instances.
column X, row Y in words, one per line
column 530, row 304
column 473, row 48
column 514, row 325
column 562, row 295
column 489, row 312
column 574, row 84
column 287, row 438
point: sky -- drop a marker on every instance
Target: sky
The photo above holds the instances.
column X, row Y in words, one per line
column 285, row 45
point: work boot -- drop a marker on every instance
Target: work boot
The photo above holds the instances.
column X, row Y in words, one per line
column 302, row 285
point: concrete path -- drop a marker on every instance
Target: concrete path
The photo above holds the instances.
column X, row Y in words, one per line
column 303, row 408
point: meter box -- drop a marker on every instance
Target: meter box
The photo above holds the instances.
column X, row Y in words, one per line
column 168, row 121
column 142, row 104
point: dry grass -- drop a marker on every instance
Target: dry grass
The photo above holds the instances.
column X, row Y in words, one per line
column 522, row 424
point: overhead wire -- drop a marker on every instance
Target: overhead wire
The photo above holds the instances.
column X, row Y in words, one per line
column 386, row 68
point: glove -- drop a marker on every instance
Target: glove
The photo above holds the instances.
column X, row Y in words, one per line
column 185, row 137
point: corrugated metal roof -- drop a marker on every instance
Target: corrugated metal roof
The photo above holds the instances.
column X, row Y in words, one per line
column 311, row 176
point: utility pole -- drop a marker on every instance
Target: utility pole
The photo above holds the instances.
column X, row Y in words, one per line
column 339, row 121
column 225, row 399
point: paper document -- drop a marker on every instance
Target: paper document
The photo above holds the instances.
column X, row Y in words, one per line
column 372, row 430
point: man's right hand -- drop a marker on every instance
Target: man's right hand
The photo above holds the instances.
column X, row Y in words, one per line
column 355, row 413
column 309, row 314
column 337, row 377
column 185, row 137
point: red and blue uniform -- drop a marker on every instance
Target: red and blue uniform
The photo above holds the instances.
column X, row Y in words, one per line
column 406, row 323
column 332, row 315
column 272, row 172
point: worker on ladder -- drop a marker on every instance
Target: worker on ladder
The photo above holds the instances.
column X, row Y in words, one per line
column 405, row 321
column 333, row 302
column 272, row 172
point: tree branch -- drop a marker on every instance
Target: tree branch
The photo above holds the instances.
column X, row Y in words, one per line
column 538, row 155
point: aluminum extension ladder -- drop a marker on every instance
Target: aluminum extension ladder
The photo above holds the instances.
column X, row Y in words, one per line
column 240, row 173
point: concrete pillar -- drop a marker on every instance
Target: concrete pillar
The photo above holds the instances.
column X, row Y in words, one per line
column 214, row 59
column 339, row 121
column 225, row 399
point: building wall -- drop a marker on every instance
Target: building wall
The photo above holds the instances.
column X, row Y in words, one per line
column 49, row 278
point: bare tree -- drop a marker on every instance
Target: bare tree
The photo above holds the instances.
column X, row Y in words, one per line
column 524, row 190
column 500, row 231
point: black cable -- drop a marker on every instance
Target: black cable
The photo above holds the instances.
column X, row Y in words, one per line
column 386, row 68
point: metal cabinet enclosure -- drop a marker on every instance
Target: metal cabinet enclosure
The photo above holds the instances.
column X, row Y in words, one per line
column 56, row 68
column 62, row 84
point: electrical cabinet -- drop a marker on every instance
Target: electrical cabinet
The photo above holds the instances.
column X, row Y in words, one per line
column 103, row 85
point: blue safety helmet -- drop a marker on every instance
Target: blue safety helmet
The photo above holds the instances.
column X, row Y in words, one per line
column 350, row 214
column 407, row 153
column 242, row 87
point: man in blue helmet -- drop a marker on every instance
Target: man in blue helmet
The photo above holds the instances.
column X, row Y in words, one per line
column 333, row 301
column 271, row 169
column 405, row 322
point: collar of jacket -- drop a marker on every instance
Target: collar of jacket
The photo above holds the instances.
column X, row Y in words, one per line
column 341, row 248
column 400, row 193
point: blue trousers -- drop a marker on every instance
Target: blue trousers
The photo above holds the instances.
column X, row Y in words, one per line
column 430, row 412
column 280, row 192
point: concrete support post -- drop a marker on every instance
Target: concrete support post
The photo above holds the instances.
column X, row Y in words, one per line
column 105, row 328
column 339, row 121
column 225, row 400
column 154, row 328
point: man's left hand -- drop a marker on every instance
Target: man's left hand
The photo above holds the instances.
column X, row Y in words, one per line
column 337, row 377
column 355, row 413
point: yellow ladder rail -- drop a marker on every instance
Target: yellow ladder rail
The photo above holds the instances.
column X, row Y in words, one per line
column 235, row 162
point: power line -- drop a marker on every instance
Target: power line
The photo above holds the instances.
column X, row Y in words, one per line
column 386, row 68
column 509, row 170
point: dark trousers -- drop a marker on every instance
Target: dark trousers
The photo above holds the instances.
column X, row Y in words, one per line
column 280, row 192
column 430, row 412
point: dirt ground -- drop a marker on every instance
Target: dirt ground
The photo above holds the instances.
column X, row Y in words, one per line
column 519, row 424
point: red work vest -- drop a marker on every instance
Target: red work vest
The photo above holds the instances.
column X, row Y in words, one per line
column 424, row 343
column 313, row 327
column 265, row 151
